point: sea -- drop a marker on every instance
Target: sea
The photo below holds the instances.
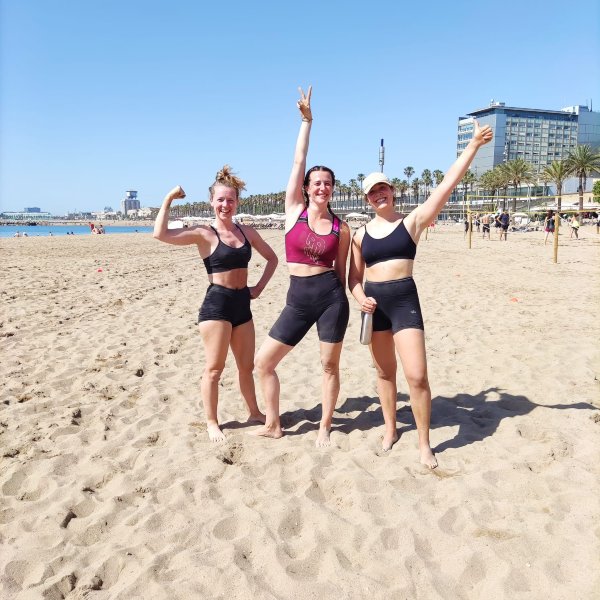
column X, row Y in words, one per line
column 58, row 230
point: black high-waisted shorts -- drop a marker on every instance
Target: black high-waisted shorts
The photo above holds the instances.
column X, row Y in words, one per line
column 319, row 299
column 225, row 304
column 397, row 304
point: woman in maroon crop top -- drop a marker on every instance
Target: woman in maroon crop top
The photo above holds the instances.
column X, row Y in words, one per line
column 316, row 244
column 225, row 319
column 384, row 251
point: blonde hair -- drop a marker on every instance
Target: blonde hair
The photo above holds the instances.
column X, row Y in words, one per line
column 226, row 177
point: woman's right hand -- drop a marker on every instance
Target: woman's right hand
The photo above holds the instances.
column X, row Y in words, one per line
column 368, row 305
column 304, row 104
column 176, row 193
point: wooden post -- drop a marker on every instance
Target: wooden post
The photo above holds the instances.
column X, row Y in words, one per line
column 556, row 224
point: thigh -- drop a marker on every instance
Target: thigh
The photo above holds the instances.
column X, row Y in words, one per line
column 330, row 353
column 292, row 325
column 271, row 353
column 382, row 351
column 410, row 345
column 333, row 321
column 243, row 345
column 216, row 336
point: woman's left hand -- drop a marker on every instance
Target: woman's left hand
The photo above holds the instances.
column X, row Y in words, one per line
column 482, row 135
column 304, row 104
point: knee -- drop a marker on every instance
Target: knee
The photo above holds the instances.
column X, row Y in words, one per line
column 212, row 374
column 418, row 381
column 263, row 367
column 386, row 375
column 330, row 367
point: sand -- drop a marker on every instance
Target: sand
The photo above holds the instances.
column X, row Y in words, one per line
column 110, row 488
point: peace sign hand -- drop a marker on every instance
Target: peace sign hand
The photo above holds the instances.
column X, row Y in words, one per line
column 304, row 104
column 482, row 135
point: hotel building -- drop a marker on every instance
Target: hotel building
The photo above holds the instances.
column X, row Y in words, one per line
column 537, row 136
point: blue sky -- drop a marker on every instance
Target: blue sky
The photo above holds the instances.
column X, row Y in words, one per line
column 101, row 96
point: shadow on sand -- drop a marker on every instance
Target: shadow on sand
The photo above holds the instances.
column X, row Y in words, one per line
column 477, row 416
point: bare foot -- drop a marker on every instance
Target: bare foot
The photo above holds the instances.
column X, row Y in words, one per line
column 323, row 440
column 270, row 431
column 214, row 433
column 256, row 418
column 388, row 441
column 428, row 457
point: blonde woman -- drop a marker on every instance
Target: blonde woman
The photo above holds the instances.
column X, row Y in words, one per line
column 225, row 319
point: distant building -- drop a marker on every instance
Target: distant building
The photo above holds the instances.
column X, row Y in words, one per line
column 130, row 202
column 32, row 209
column 535, row 135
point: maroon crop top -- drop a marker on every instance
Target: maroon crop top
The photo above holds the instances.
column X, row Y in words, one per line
column 304, row 246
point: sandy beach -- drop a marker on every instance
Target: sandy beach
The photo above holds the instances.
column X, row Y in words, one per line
column 110, row 488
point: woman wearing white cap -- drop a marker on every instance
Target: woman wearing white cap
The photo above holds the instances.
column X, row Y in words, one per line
column 384, row 250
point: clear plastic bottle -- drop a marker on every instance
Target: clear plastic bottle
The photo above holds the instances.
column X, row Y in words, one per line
column 366, row 328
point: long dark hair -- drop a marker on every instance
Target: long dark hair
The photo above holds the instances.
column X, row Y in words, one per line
column 307, row 181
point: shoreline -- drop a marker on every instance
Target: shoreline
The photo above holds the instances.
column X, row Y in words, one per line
column 62, row 222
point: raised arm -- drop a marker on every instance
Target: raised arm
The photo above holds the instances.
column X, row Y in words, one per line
column 293, row 194
column 423, row 215
column 179, row 237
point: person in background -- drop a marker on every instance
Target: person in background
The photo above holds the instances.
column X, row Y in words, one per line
column 485, row 222
column 548, row 224
column 384, row 251
column 225, row 319
column 504, row 223
column 575, row 226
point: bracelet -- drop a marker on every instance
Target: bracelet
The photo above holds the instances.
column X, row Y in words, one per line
column 307, row 120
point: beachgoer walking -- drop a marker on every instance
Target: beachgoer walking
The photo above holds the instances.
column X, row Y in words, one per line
column 485, row 222
column 225, row 319
column 548, row 224
column 575, row 226
column 384, row 250
column 316, row 247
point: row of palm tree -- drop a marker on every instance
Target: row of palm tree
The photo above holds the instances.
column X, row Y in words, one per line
column 580, row 163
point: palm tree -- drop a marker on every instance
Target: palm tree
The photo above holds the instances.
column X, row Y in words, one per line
column 438, row 176
column 427, row 181
column 583, row 161
column 518, row 171
column 353, row 190
column 408, row 173
column 415, row 188
column 396, row 185
column 361, row 178
column 468, row 180
column 556, row 172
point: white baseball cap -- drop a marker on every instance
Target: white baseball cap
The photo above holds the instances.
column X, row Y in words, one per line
column 374, row 179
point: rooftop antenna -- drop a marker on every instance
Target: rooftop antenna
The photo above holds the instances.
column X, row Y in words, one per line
column 381, row 155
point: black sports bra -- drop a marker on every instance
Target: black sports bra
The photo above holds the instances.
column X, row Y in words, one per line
column 397, row 244
column 225, row 258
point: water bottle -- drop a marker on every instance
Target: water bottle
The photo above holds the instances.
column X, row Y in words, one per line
column 366, row 328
